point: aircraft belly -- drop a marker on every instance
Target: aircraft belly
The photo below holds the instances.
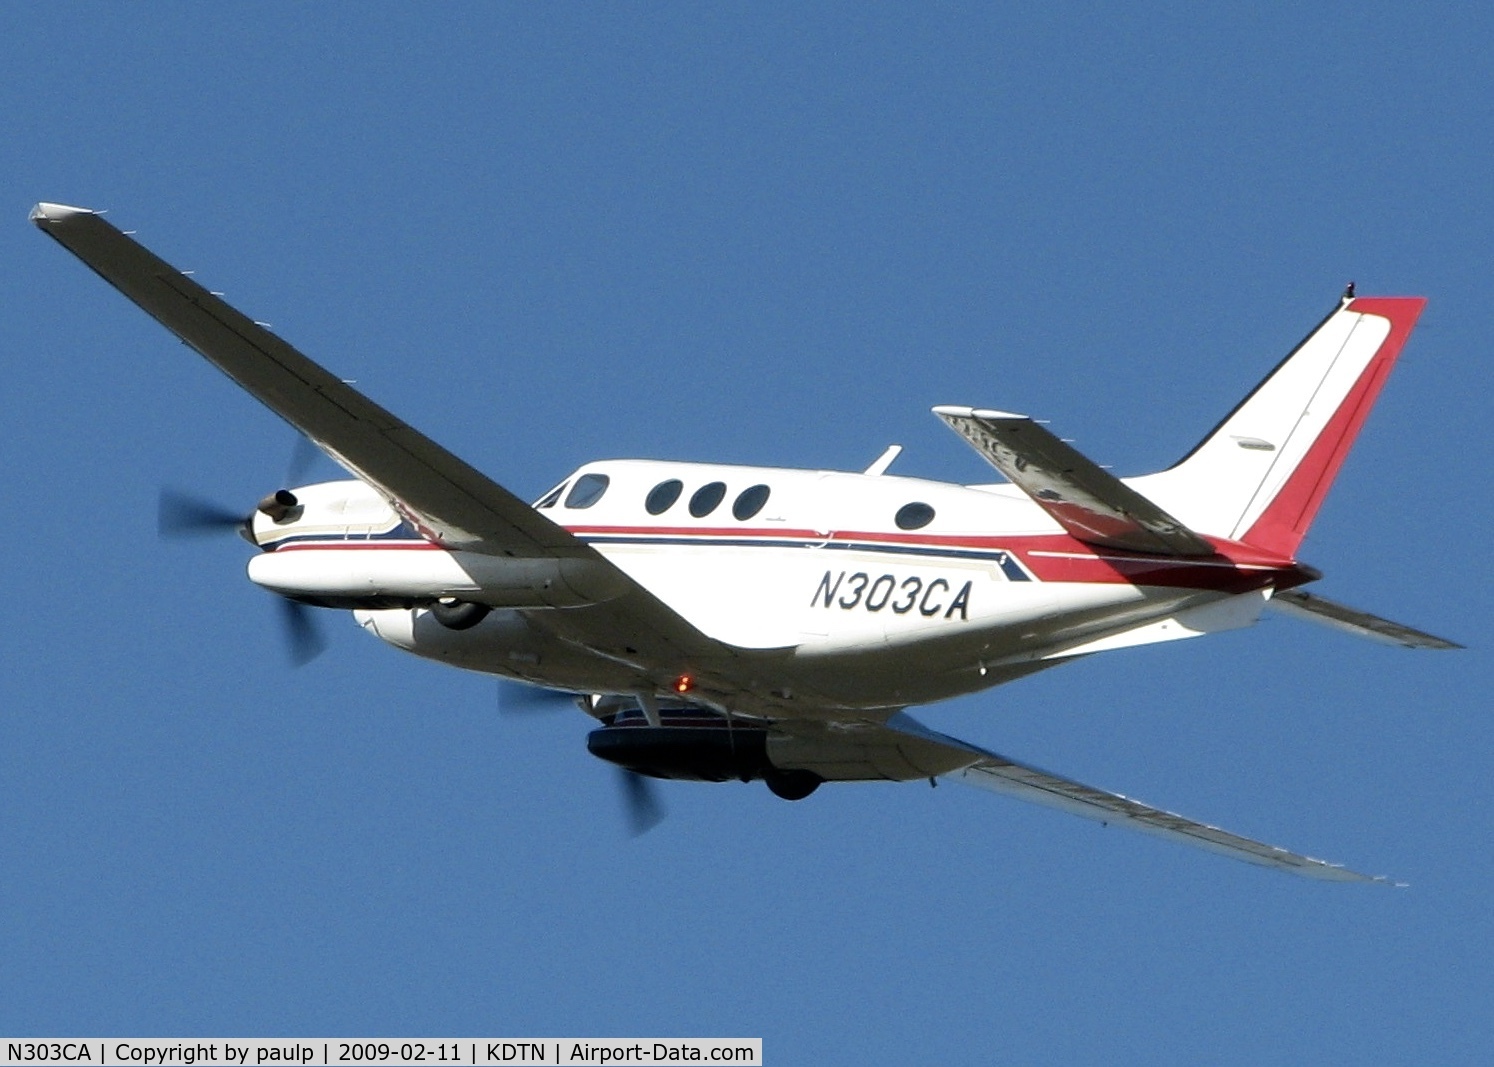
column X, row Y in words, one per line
column 998, row 647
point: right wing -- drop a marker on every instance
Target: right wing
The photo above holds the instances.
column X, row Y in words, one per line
column 449, row 501
column 904, row 749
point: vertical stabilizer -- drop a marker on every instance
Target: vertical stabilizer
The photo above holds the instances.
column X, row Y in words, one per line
column 1261, row 476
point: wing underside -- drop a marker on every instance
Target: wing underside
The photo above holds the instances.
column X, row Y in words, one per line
column 903, row 748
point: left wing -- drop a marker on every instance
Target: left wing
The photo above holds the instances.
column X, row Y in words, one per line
column 449, row 501
column 905, row 749
column 454, row 504
column 1088, row 501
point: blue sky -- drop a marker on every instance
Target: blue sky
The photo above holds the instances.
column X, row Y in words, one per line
column 751, row 233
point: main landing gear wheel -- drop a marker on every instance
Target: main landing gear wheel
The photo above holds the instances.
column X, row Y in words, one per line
column 458, row 614
column 792, row 785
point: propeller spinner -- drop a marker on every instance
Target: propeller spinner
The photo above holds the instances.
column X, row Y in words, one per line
column 182, row 515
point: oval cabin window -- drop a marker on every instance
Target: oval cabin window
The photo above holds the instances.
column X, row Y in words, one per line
column 662, row 496
column 706, row 498
column 749, row 502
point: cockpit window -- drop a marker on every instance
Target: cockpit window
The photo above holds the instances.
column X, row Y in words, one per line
column 914, row 516
column 749, row 502
column 548, row 500
column 706, row 498
column 587, row 490
column 662, row 496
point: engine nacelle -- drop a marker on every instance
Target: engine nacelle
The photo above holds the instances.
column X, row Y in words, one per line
column 691, row 753
column 715, row 752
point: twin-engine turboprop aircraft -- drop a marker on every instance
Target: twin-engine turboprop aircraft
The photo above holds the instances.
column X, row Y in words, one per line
column 742, row 623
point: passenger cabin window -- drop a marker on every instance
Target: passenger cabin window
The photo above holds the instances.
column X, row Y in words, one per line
column 548, row 500
column 706, row 498
column 749, row 502
column 914, row 516
column 662, row 496
column 587, row 490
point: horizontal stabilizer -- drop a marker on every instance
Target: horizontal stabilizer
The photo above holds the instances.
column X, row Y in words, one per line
column 1351, row 620
column 1088, row 501
column 987, row 770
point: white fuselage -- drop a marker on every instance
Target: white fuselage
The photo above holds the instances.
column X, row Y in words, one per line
column 869, row 591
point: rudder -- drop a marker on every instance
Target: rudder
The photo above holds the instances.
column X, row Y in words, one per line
column 1262, row 474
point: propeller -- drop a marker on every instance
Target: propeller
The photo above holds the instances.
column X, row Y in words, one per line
column 641, row 804
column 304, row 639
column 181, row 515
column 184, row 515
column 641, row 800
column 304, row 454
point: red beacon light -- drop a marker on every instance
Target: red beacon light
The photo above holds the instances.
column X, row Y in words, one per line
column 684, row 683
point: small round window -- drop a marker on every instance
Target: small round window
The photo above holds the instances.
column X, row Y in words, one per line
column 706, row 498
column 587, row 490
column 662, row 496
column 913, row 516
column 749, row 502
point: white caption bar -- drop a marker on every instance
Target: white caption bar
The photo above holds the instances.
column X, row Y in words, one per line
column 365, row 1051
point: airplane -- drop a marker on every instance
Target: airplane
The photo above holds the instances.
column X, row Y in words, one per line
column 744, row 623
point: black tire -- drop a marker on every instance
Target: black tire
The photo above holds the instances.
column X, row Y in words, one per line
column 792, row 785
column 459, row 614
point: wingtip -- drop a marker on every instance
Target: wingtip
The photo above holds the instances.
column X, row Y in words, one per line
column 45, row 212
column 961, row 412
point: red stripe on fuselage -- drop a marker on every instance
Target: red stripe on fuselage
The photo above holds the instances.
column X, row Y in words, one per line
column 1050, row 557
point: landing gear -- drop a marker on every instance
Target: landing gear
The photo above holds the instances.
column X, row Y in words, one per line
column 458, row 614
column 792, row 785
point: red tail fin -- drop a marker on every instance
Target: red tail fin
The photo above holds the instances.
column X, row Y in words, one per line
column 1284, row 522
column 1262, row 474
